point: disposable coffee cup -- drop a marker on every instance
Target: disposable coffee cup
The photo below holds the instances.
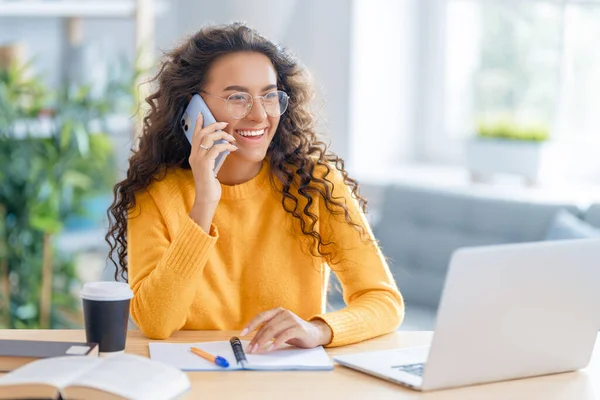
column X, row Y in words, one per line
column 106, row 312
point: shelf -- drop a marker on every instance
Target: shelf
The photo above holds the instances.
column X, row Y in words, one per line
column 43, row 127
column 73, row 8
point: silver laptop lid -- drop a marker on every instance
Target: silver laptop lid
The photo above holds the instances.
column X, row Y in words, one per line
column 513, row 311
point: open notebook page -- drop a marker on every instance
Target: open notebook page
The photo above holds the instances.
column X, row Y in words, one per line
column 290, row 358
column 180, row 356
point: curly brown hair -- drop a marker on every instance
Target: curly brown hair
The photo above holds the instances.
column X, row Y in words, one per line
column 293, row 155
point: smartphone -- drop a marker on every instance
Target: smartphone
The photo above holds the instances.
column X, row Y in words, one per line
column 188, row 124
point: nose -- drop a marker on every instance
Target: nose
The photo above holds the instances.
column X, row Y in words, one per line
column 257, row 112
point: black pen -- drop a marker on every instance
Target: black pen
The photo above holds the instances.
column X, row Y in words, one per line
column 238, row 351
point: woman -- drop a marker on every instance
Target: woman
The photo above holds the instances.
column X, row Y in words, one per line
column 250, row 248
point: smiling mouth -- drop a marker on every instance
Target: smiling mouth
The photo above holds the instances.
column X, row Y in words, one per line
column 251, row 133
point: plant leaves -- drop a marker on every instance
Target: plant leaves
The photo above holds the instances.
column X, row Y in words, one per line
column 83, row 140
column 77, row 179
column 66, row 134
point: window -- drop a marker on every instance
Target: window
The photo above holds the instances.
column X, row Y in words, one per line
column 532, row 63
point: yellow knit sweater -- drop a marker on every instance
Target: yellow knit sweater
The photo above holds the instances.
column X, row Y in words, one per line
column 253, row 259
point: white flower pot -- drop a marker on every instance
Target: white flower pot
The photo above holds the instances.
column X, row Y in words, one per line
column 486, row 157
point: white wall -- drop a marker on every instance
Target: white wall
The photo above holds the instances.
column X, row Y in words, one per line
column 315, row 30
column 383, row 89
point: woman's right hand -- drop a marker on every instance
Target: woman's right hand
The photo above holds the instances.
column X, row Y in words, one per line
column 202, row 161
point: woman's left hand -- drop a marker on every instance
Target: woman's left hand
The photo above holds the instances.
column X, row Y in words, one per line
column 283, row 326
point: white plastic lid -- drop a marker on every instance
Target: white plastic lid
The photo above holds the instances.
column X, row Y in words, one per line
column 106, row 291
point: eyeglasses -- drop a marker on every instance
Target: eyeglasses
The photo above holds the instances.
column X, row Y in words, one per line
column 239, row 104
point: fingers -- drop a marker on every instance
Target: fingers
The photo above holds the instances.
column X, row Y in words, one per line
column 200, row 132
column 209, row 139
column 217, row 127
column 218, row 148
column 271, row 329
column 283, row 326
column 259, row 319
column 283, row 337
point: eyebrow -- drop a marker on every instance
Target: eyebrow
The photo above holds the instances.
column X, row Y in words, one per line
column 245, row 89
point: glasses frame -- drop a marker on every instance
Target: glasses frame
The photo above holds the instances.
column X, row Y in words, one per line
column 262, row 102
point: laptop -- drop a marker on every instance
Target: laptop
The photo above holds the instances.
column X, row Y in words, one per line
column 506, row 312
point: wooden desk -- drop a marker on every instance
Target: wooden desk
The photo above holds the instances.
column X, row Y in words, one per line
column 344, row 383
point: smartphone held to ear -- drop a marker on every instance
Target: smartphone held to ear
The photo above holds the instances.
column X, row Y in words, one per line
column 188, row 124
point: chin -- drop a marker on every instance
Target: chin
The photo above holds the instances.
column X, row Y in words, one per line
column 249, row 157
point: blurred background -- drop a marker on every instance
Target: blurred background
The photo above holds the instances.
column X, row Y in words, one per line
column 466, row 122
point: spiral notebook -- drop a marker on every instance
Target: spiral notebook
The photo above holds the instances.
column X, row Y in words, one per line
column 287, row 358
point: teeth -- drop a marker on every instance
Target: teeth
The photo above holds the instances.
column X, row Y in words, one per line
column 251, row 133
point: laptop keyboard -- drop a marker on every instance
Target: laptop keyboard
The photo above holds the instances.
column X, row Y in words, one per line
column 414, row 369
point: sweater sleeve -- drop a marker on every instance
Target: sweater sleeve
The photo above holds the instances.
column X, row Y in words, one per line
column 374, row 304
column 164, row 267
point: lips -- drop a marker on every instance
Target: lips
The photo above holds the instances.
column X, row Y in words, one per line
column 250, row 132
column 250, row 135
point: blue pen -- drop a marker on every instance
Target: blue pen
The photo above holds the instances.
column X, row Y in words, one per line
column 220, row 361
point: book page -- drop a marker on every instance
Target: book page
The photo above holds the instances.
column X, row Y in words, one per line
column 136, row 377
column 179, row 355
column 57, row 371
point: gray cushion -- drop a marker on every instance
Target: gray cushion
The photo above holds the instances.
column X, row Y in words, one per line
column 592, row 215
column 421, row 227
column 567, row 226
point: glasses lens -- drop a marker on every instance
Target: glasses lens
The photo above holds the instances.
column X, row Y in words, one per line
column 275, row 103
column 239, row 104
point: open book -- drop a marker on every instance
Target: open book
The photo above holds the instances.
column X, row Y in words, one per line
column 120, row 376
column 180, row 356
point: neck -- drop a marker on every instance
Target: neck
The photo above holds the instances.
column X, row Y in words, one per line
column 235, row 171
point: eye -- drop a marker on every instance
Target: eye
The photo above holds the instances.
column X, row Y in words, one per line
column 238, row 98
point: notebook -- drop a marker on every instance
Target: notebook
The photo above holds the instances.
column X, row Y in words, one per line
column 15, row 353
column 122, row 376
column 286, row 358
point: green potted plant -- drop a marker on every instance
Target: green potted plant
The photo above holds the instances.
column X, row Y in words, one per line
column 506, row 147
column 51, row 160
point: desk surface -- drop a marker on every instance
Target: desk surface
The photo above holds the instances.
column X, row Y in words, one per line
column 344, row 383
